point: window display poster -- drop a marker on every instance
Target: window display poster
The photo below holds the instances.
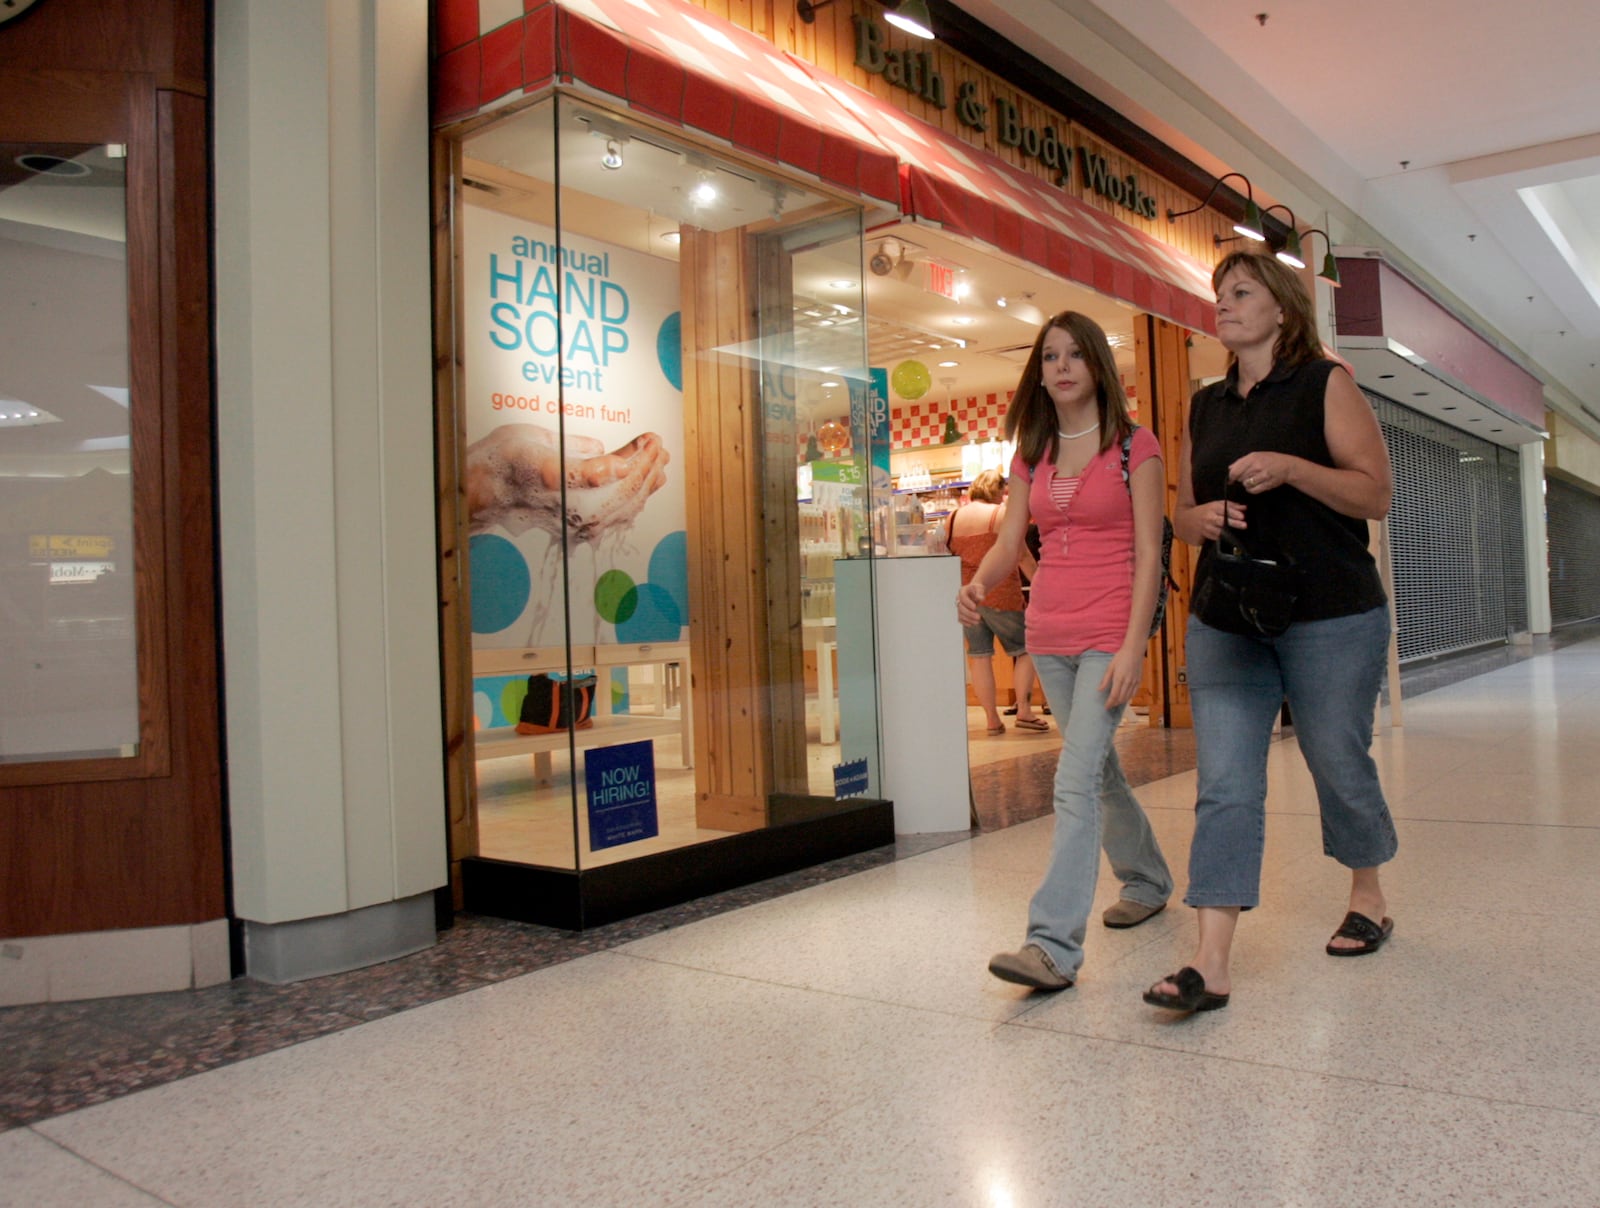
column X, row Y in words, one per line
column 850, row 779
column 620, row 782
column 573, row 366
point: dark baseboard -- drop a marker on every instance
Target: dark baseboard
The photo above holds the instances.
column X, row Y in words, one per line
column 576, row 900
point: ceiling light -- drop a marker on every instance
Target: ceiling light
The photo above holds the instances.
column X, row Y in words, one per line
column 841, row 284
column 948, row 364
column 1289, row 253
column 672, row 237
column 613, row 157
column 963, row 321
column 1000, row 302
column 705, row 192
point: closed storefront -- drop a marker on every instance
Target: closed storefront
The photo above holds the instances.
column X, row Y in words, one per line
column 1573, row 516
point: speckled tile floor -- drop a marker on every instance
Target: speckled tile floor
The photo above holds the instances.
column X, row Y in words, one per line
column 832, row 1037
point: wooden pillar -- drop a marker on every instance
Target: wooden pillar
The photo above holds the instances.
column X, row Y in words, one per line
column 739, row 609
column 1161, row 351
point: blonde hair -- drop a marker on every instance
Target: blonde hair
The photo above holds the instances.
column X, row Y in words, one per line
column 1031, row 419
column 988, row 487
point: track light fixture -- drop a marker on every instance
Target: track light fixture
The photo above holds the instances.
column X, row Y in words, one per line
column 1250, row 226
column 1330, row 264
column 612, row 159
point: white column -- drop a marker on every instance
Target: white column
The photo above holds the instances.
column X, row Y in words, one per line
column 325, row 475
column 1536, row 545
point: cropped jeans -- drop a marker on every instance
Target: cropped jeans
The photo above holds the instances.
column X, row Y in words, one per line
column 1093, row 806
column 1329, row 672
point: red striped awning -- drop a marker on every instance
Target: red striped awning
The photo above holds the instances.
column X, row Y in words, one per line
column 670, row 60
column 974, row 193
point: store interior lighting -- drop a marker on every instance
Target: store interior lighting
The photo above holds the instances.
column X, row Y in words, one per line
column 612, row 159
column 1250, row 226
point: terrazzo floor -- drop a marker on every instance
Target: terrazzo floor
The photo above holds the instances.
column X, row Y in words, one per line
column 831, row 1037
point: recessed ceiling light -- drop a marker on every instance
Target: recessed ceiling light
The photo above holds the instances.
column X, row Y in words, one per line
column 829, row 385
column 672, row 237
column 948, row 364
column 963, row 321
column 841, row 284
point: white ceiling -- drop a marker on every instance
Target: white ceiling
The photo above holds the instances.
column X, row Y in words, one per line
column 1421, row 127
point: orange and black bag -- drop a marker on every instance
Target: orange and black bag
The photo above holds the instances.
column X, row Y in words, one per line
column 554, row 704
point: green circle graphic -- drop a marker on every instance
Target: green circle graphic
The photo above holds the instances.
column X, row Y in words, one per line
column 615, row 596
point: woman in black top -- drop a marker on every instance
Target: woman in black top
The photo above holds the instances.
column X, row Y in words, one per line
column 1288, row 452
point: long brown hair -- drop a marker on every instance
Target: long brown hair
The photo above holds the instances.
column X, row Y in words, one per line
column 1031, row 419
column 1297, row 340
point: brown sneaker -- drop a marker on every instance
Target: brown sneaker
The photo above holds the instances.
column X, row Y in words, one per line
column 1125, row 912
column 1030, row 966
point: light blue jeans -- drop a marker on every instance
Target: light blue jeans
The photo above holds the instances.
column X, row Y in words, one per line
column 1094, row 807
column 1329, row 672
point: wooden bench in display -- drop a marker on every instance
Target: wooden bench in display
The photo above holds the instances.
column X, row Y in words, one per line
column 608, row 728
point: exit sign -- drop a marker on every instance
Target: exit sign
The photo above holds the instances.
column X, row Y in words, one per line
column 941, row 280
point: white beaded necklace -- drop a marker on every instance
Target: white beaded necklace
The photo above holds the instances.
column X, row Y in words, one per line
column 1095, row 427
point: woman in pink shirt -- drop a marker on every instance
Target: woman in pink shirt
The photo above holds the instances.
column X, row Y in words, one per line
column 1088, row 623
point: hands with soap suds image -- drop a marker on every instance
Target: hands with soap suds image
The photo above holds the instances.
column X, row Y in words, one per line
column 513, row 480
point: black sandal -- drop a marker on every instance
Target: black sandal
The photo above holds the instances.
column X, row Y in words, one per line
column 1192, row 994
column 1357, row 926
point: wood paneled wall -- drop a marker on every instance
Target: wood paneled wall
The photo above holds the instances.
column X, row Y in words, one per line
column 103, row 844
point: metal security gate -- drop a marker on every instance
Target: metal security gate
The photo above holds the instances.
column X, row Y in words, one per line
column 1573, row 518
column 1456, row 533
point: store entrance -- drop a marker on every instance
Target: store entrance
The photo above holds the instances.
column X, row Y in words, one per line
column 950, row 327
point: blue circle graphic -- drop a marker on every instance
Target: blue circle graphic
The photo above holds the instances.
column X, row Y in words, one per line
column 656, row 619
column 669, row 348
column 501, row 583
column 669, row 568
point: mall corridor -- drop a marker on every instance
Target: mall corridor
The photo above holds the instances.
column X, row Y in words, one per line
column 843, row 1044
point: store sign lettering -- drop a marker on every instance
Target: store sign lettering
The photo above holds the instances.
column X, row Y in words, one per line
column 913, row 72
column 1124, row 190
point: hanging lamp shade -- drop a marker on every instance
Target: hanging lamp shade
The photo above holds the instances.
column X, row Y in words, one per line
column 1330, row 270
column 1251, row 225
column 911, row 16
column 952, row 434
column 1291, row 253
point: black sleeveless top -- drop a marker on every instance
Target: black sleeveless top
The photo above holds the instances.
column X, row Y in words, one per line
column 1284, row 414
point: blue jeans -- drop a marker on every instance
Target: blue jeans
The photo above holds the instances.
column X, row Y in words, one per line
column 1094, row 806
column 1329, row 672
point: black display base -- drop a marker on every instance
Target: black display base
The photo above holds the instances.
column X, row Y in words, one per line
column 573, row 901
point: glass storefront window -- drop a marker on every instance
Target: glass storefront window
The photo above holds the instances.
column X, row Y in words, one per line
column 644, row 330
column 68, row 643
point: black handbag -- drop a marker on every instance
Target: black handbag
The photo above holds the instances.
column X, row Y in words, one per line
column 1245, row 594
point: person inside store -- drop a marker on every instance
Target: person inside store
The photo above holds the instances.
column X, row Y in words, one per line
column 1283, row 465
column 1088, row 623
column 972, row 533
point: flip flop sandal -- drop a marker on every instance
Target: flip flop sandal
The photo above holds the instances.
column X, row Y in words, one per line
column 1192, row 994
column 1031, row 723
column 1358, row 926
column 994, row 731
